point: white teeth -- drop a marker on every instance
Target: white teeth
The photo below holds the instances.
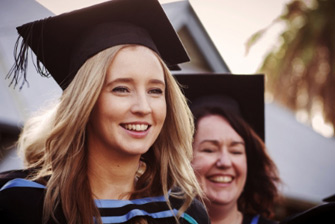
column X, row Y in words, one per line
column 136, row 127
column 221, row 179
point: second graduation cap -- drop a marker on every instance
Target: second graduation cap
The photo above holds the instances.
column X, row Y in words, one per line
column 246, row 90
column 63, row 43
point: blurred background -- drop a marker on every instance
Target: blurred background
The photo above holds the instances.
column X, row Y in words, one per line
column 292, row 42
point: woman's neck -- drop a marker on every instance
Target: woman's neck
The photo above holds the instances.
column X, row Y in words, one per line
column 110, row 177
column 224, row 214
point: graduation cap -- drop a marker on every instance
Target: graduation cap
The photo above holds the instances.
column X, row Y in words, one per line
column 323, row 213
column 63, row 43
column 329, row 199
column 242, row 94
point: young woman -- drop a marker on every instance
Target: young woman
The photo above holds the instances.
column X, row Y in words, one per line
column 116, row 148
column 237, row 175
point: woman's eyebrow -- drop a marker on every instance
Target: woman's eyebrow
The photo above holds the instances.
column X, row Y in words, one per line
column 129, row 80
column 215, row 142
column 119, row 80
column 157, row 81
column 238, row 143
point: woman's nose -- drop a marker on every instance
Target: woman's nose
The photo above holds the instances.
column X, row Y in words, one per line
column 224, row 160
column 141, row 104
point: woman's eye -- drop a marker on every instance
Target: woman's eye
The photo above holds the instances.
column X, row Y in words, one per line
column 156, row 91
column 120, row 89
column 237, row 152
column 207, row 150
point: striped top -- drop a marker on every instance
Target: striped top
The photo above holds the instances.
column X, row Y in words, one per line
column 21, row 201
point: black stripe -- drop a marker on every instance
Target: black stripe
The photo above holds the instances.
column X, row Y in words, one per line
column 151, row 207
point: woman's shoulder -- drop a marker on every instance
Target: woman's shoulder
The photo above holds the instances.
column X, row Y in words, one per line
column 198, row 212
column 21, row 201
column 12, row 174
column 263, row 220
column 195, row 213
column 257, row 219
column 21, row 185
column 155, row 209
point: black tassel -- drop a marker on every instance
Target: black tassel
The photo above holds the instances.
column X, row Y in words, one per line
column 40, row 68
column 19, row 69
column 18, row 72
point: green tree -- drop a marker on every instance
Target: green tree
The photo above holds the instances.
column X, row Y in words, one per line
column 300, row 73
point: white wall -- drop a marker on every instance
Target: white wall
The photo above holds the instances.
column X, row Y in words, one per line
column 306, row 160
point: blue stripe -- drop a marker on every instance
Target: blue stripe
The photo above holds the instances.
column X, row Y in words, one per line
column 137, row 212
column 255, row 219
column 19, row 182
column 189, row 218
column 106, row 203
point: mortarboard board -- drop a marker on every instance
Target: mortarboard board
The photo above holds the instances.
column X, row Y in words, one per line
column 246, row 90
column 329, row 199
column 323, row 213
column 63, row 43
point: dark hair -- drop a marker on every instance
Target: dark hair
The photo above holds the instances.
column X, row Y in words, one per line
column 260, row 190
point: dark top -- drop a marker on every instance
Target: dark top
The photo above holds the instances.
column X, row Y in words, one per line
column 21, row 201
column 256, row 219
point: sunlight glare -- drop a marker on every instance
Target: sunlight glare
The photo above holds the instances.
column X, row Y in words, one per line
column 321, row 126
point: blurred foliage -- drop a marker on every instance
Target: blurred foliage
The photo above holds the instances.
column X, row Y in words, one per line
column 300, row 72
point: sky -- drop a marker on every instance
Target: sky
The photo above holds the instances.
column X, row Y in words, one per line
column 229, row 23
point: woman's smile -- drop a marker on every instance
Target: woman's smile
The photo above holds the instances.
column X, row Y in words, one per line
column 136, row 127
column 221, row 179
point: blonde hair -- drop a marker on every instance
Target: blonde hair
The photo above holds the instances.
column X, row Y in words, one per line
column 55, row 144
column 31, row 144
